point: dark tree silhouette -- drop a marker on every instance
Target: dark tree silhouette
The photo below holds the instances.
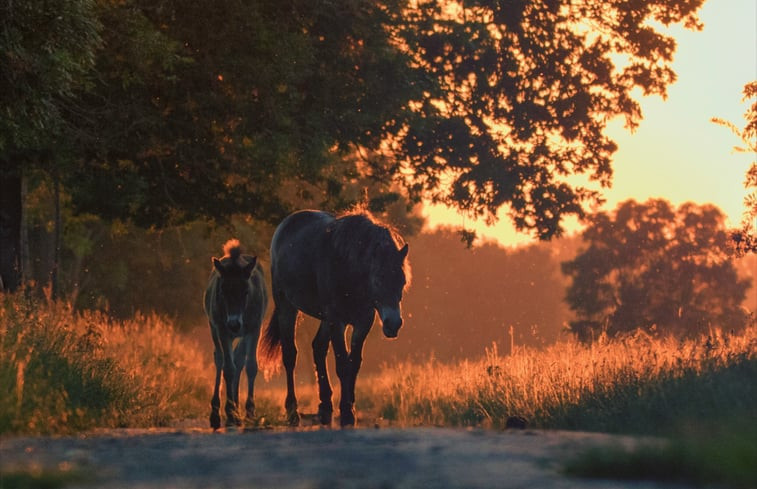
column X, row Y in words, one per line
column 46, row 52
column 210, row 108
column 654, row 267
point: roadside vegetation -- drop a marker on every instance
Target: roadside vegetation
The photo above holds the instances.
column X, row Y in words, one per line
column 635, row 384
column 63, row 372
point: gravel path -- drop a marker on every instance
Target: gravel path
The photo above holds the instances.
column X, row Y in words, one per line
column 437, row 458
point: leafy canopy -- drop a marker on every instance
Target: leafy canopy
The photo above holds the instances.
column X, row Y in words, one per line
column 210, row 108
column 520, row 95
column 652, row 266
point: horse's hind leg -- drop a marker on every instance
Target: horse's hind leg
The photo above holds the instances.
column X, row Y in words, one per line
column 286, row 316
column 320, row 349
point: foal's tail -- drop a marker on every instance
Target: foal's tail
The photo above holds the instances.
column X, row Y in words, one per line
column 270, row 344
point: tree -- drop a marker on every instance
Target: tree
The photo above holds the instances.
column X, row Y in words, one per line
column 745, row 239
column 520, row 93
column 214, row 108
column 478, row 105
column 211, row 108
column 654, row 267
column 46, row 49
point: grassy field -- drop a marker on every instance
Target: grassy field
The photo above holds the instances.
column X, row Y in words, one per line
column 64, row 371
column 639, row 384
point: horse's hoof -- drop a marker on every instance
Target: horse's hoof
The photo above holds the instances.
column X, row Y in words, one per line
column 293, row 419
column 233, row 420
column 215, row 420
column 325, row 413
column 346, row 419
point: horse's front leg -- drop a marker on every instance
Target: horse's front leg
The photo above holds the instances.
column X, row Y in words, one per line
column 229, row 374
column 354, row 360
column 215, row 402
column 320, row 349
column 341, row 357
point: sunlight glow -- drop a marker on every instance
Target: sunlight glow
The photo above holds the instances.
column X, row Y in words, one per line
column 677, row 153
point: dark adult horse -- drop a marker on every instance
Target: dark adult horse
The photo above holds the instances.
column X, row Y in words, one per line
column 235, row 302
column 341, row 271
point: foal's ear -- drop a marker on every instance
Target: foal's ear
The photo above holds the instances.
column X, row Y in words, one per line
column 218, row 266
column 247, row 270
column 403, row 251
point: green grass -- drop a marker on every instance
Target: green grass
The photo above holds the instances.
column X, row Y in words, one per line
column 717, row 452
column 39, row 479
column 62, row 372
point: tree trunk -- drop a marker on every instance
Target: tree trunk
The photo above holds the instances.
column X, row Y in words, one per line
column 10, row 232
column 56, row 238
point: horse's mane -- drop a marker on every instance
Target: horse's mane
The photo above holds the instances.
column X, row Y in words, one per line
column 358, row 235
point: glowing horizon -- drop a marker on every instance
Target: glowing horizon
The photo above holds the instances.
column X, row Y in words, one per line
column 677, row 153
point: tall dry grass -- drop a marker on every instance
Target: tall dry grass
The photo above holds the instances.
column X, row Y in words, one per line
column 639, row 384
column 62, row 371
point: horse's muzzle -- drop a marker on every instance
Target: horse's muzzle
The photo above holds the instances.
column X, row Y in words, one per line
column 234, row 323
column 391, row 321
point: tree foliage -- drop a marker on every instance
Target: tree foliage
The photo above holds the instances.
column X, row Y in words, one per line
column 46, row 54
column 745, row 239
column 209, row 108
column 162, row 112
column 520, row 95
column 213, row 108
column 652, row 266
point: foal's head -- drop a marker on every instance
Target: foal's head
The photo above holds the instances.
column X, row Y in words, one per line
column 234, row 286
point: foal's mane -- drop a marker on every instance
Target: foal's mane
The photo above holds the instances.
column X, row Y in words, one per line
column 233, row 254
column 232, row 249
column 358, row 237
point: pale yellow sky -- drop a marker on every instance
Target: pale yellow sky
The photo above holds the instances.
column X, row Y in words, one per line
column 677, row 153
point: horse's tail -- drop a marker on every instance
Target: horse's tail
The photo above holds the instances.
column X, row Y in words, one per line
column 270, row 344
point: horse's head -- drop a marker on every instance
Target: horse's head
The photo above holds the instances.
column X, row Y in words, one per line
column 387, row 283
column 234, row 289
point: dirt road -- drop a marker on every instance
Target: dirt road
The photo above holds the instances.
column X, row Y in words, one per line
column 311, row 459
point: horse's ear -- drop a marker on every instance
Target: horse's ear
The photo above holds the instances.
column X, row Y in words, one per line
column 218, row 266
column 247, row 270
column 403, row 251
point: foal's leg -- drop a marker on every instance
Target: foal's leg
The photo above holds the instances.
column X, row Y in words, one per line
column 320, row 349
column 239, row 360
column 229, row 373
column 215, row 402
column 286, row 316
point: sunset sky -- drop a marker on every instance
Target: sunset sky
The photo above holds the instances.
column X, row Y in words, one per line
column 677, row 153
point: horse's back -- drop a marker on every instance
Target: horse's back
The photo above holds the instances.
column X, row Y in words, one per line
column 298, row 238
column 297, row 250
column 300, row 225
